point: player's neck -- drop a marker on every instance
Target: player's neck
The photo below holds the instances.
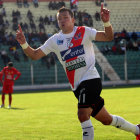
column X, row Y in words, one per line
column 70, row 30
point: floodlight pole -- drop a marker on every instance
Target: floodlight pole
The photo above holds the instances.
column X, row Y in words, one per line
column 125, row 61
column 32, row 74
column 56, row 80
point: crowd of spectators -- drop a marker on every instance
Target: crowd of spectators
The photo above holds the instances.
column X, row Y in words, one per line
column 1, row 3
column 122, row 41
column 35, row 30
column 25, row 3
column 53, row 5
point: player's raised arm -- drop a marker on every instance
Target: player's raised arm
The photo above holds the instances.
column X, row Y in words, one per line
column 107, row 34
column 34, row 54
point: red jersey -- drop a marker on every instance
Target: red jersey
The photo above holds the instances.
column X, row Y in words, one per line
column 9, row 75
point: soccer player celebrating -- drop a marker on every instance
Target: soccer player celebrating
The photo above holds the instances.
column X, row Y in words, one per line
column 74, row 48
column 9, row 73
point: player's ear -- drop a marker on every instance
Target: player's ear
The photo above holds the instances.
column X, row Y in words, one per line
column 73, row 20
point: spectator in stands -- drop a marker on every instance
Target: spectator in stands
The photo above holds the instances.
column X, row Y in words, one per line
column 1, row 19
column 25, row 26
column 35, row 2
column 46, row 20
column 135, row 45
column 74, row 6
column 19, row 3
column 122, row 47
column 30, row 16
column 6, row 24
column 129, row 45
column 134, row 36
column 21, row 24
column 50, row 5
column 1, row 3
column 41, row 19
column 18, row 14
column 114, row 49
column 61, row 4
column 11, row 40
column 15, row 26
column 9, row 73
column 25, row 3
column 107, row 49
column 3, row 12
column 97, row 2
column 43, row 37
column 33, row 27
column 80, row 18
column 5, row 57
column 41, row 27
column 51, row 19
column 74, row 48
column 97, row 16
column 16, row 56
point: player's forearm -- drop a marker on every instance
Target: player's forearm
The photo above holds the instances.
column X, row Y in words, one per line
column 109, row 34
column 18, row 75
column 30, row 52
column 106, row 35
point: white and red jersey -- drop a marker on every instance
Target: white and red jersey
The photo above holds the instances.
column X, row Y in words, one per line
column 75, row 52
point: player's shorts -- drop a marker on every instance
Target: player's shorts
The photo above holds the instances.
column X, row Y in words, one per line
column 88, row 95
column 7, row 88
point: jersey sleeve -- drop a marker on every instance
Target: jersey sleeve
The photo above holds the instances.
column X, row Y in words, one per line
column 48, row 46
column 91, row 33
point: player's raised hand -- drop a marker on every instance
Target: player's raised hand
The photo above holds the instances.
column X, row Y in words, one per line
column 105, row 13
column 20, row 36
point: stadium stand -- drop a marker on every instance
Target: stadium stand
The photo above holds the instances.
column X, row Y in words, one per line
column 124, row 15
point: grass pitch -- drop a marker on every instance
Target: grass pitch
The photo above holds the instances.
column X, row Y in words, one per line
column 53, row 116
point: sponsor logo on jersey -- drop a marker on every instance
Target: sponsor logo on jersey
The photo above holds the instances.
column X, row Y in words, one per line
column 72, row 52
column 60, row 42
column 75, row 64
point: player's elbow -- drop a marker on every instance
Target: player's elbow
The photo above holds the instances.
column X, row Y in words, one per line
column 34, row 57
column 110, row 37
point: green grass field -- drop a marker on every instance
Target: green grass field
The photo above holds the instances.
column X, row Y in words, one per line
column 53, row 116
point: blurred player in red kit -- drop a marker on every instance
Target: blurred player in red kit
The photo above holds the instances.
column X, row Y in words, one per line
column 9, row 73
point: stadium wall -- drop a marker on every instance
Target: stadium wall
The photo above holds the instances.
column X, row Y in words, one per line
column 67, row 86
column 61, row 0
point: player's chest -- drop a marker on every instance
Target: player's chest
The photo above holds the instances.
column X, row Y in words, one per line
column 9, row 72
column 69, row 50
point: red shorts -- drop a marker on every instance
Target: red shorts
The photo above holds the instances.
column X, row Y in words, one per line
column 7, row 88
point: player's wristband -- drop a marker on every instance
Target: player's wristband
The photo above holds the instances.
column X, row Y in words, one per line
column 107, row 24
column 24, row 46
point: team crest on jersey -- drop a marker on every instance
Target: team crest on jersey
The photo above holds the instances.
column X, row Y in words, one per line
column 72, row 52
column 77, row 36
column 60, row 42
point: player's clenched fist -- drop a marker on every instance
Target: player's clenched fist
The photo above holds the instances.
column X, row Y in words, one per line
column 20, row 36
column 104, row 14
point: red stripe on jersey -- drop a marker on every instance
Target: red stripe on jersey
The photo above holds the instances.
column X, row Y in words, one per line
column 76, row 41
